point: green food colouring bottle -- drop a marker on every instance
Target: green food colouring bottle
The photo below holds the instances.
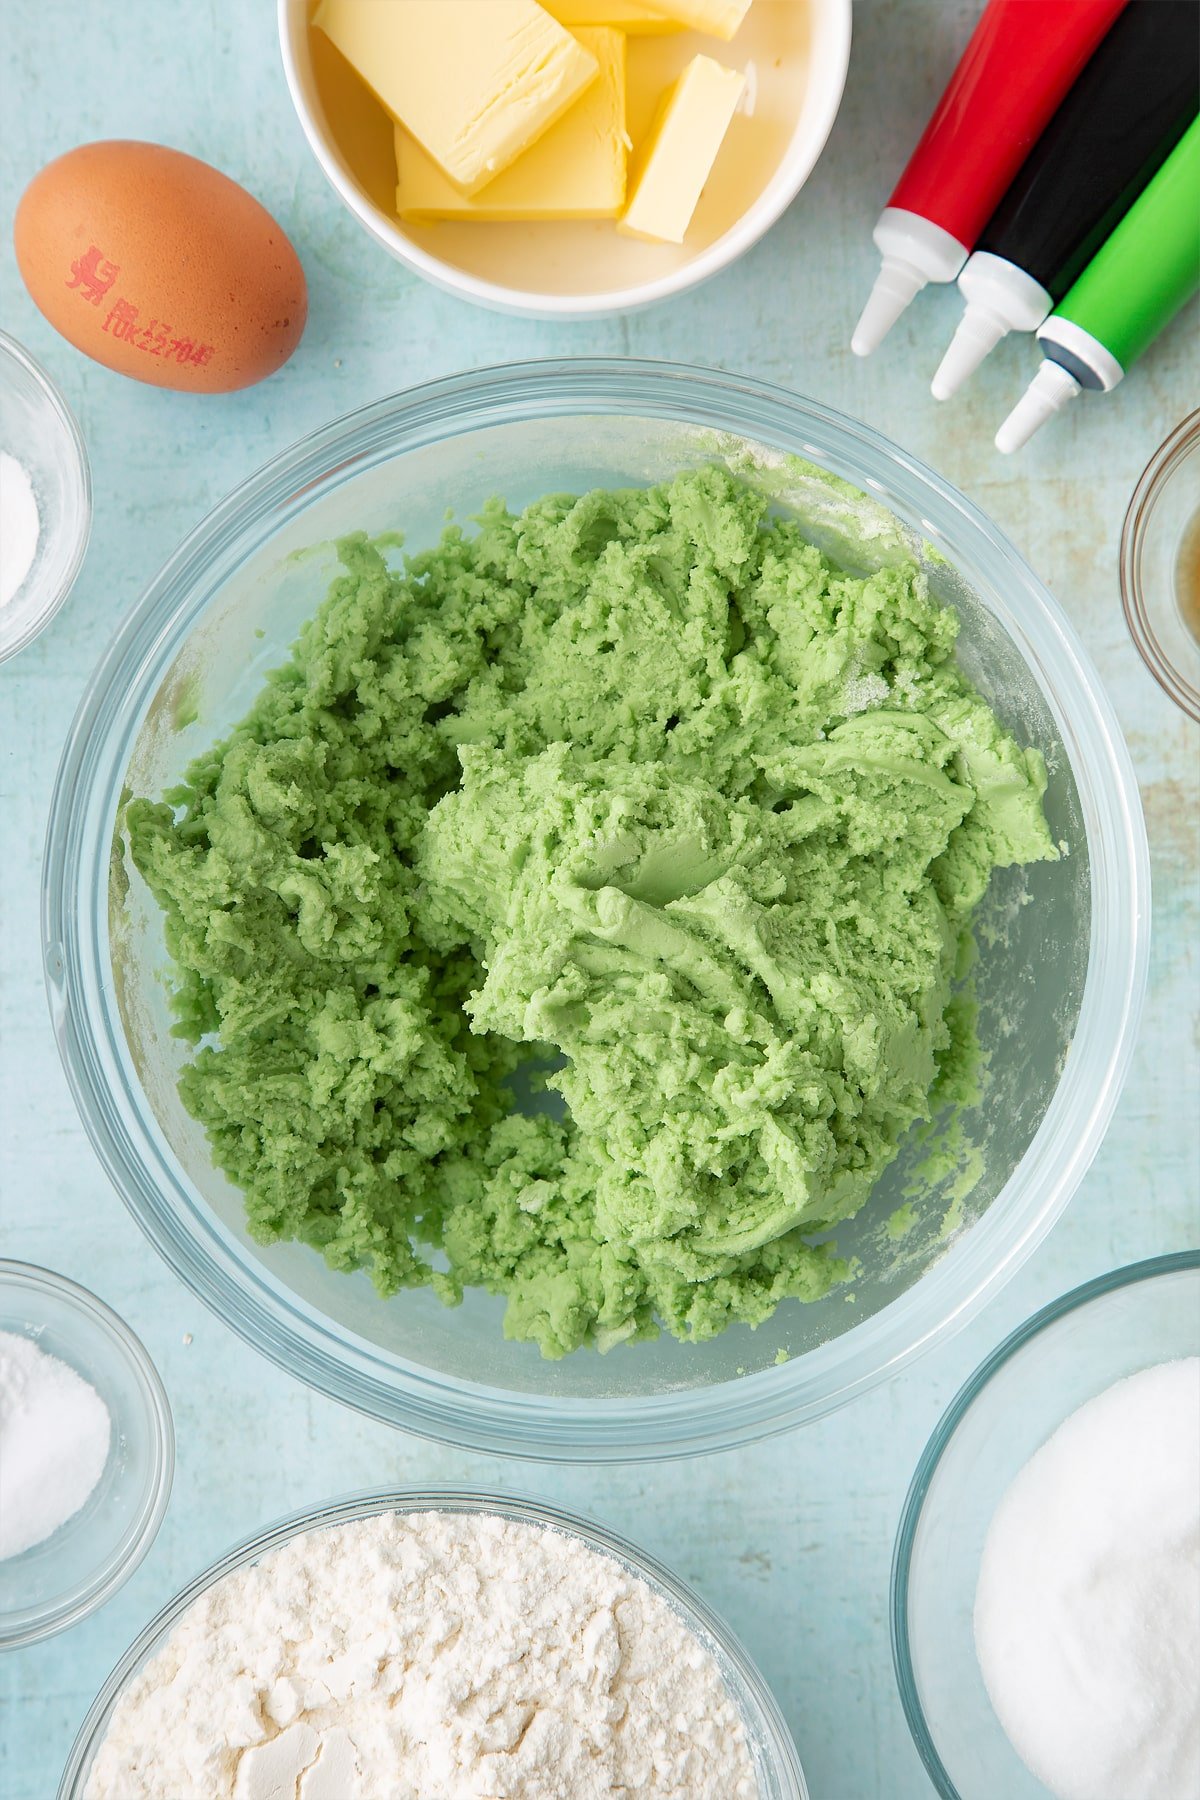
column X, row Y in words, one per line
column 1129, row 292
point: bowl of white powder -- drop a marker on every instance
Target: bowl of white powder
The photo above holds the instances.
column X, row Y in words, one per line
column 45, row 498
column 1046, row 1582
column 435, row 1646
column 87, row 1453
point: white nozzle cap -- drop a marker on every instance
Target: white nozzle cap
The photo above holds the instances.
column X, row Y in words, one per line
column 1049, row 391
column 896, row 285
column 1000, row 298
column 979, row 331
column 914, row 251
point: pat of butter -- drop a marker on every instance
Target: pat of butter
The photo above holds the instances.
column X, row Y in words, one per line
column 677, row 159
column 718, row 18
column 576, row 170
column 476, row 82
column 630, row 16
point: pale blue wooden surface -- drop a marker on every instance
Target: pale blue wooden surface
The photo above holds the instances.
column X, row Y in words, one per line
column 791, row 1541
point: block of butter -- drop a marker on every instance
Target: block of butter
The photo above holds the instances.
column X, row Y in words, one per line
column 631, row 16
column 677, row 158
column 719, row 18
column 576, row 170
column 476, row 81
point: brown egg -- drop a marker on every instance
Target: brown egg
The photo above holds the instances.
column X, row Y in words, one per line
column 160, row 267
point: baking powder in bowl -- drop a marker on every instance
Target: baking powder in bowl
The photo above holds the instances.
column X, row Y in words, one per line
column 19, row 526
column 1087, row 1612
column 428, row 1656
column 54, row 1437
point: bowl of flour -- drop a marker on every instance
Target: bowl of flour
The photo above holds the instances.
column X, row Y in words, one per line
column 435, row 1646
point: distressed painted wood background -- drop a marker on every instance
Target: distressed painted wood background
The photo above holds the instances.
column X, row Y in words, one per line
column 791, row 1540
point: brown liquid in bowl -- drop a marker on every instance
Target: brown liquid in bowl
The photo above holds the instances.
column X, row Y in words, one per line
column 1187, row 577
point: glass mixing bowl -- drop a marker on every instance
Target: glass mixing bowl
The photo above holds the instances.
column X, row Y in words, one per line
column 1058, row 1360
column 1062, row 947
column 776, row 1764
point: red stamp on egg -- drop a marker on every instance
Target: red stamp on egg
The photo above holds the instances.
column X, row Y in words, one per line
column 92, row 275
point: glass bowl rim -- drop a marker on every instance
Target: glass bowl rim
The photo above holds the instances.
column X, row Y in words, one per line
column 678, row 1421
column 364, row 1503
column 1151, row 1268
column 1140, row 612
column 16, row 351
column 89, row 1595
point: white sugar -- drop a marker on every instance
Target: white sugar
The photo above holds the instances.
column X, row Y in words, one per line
column 863, row 692
column 1087, row 1612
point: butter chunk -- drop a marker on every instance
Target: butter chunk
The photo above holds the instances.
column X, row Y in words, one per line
column 630, row 16
column 677, row 159
column 576, row 170
column 718, row 18
column 475, row 81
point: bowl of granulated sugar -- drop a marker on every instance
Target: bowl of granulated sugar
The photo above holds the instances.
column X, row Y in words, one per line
column 1046, row 1582
column 87, row 1452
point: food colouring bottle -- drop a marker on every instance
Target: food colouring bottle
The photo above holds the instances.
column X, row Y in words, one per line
column 1022, row 58
column 1131, row 289
column 1116, row 127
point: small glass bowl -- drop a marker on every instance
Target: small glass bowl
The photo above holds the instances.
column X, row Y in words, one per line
column 39, row 429
column 1075, row 1348
column 59, row 1581
column 1165, row 503
column 776, row 1764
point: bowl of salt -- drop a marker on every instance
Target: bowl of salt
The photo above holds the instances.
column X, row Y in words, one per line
column 87, row 1453
column 45, row 498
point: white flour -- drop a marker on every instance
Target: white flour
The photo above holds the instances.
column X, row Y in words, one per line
column 433, row 1656
column 1087, row 1612
column 54, row 1438
column 19, row 526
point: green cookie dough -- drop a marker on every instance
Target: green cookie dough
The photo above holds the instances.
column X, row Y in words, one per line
column 632, row 798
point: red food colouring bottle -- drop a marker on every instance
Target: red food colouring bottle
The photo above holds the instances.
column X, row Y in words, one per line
column 1021, row 61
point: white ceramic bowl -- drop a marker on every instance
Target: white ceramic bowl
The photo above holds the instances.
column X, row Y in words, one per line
column 586, row 271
